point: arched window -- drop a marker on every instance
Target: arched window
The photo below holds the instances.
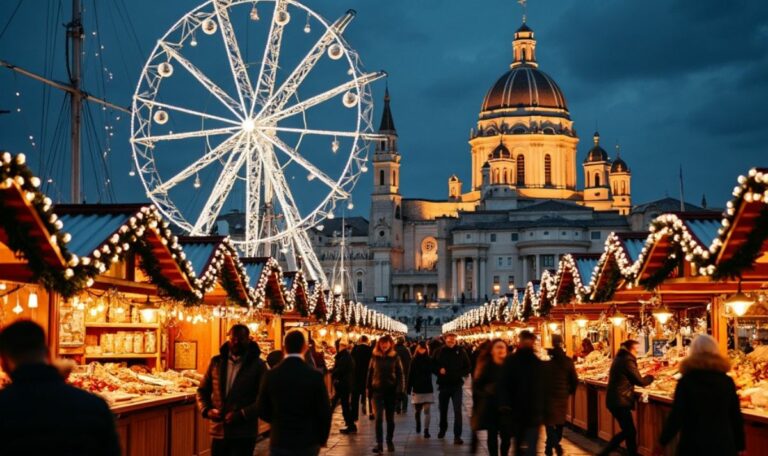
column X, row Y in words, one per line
column 505, row 176
column 381, row 177
column 495, row 176
column 597, row 179
column 397, row 212
column 547, row 170
column 359, row 287
column 394, row 177
column 520, row 170
column 623, row 188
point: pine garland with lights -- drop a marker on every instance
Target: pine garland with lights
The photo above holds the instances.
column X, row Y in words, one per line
column 745, row 256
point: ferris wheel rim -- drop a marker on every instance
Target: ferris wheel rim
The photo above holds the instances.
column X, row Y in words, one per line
column 357, row 155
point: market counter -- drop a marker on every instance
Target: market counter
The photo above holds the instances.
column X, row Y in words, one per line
column 649, row 419
column 164, row 426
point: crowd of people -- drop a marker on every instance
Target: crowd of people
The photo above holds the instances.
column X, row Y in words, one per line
column 516, row 390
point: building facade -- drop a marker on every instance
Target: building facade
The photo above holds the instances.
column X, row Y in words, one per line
column 521, row 211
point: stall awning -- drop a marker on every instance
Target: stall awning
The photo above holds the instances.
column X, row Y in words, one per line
column 218, row 267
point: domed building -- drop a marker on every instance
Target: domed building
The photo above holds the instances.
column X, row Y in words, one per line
column 521, row 211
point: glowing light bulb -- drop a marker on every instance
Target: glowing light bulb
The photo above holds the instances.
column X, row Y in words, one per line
column 132, row 172
column 307, row 28
column 18, row 309
column 335, row 145
column 193, row 41
column 196, row 184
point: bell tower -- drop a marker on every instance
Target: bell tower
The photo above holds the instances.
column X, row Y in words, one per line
column 386, row 221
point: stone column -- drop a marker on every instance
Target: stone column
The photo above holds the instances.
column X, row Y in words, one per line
column 481, row 289
column 462, row 272
column 475, row 281
column 454, row 280
column 538, row 267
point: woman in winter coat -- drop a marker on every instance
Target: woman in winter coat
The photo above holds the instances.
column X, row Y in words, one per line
column 420, row 386
column 385, row 382
column 706, row 411
column 560, row 383
column 485, row 386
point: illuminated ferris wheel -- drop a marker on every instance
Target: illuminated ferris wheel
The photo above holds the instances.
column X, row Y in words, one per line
column 260, row 107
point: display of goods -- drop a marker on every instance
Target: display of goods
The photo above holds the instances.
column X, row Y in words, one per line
column 117, row 383
column 759, row 354
column 150, row 342
column 107, row 342
column 138, row 342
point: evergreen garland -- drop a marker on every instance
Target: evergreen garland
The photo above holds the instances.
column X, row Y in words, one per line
column 745, row 256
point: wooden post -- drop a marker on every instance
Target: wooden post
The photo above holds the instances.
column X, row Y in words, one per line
column 568, row 339
column 719, row 324
column 277, row 330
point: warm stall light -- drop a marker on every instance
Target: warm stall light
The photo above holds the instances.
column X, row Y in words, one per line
column 337, row 289
column 739, row 303
column 553, row 326
column 510, row 333
column 323, row 332
column 618, row 318
column 148, row 315
column 581, row 320
column 32, row 300
column 18, row 309
column 662, row 314
column 339, row 334
column 253, row 327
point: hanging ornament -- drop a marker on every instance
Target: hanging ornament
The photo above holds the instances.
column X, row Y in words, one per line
column 209, row 26
column 197, row 184
column 132, row 172
column 193, row 41
column 18, row 309
column 254, row 13
column 334, row 145
column 350, row 205
column 307, row 27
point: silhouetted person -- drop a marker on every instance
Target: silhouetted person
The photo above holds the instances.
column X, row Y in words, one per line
column 451, row 365
column 274, row 357
column 560, row 379
column 420, row 386
column 385, row 383
column 227, row 394
column 39, row 413
column 294, row 401
column 343, row 376
column 521, row 394
column 620, row 396
column 401, row 403
column 361, row 354
column 485, row 399
column 706, row 410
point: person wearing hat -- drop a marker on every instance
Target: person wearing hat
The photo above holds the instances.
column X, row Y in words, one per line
column 560, row 377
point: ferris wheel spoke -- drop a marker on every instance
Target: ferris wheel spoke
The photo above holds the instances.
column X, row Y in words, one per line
column 341, row 134
column 221, row 190
column 302, row 70
column 153, row 104
column 236, row 63
column 325, row 96
column 211, row 86
column 253, row 192
column 281, row 189
column 148, row 140
column 265, row 85
column 210, row 157
column 313, row 170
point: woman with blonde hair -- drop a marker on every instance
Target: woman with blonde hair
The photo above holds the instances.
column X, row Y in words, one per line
column 706, row 410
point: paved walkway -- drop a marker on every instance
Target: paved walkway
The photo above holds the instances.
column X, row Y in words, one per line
column 408, row 442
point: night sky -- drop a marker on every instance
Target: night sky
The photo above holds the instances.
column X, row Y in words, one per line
column 673, row 82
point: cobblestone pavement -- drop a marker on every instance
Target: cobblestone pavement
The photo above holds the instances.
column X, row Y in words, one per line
column 408, row 442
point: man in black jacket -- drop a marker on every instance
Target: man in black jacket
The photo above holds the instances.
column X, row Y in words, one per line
column 227, row 394
column 361, row 354
column 39, row 412
column 401, row 403
column 294, row 401
column 451, row 365
column 561, row 380
column 343, row 376
column 520, row 395
column 620, row 396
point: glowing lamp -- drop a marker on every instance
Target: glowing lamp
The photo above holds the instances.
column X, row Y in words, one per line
column 32, row 300
column 553, row 326
column 581, row 320
column 323, row 332
column 739, row 303
column 662, row 314
column 618, row 318
column 337, row 289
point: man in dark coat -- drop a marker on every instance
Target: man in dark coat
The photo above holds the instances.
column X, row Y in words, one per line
column 520, row 395
column 39, row 413
column 294, row 401
column 706, row 410
column 404, row 354
column 620, row 396
column 343, row 377
column 227, row 394
column 361, row 354
column 560, row 383
column 451, row 365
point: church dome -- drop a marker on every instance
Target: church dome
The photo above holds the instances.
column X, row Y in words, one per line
column 619, row 166
column 524, row 87
column 500, row 151
column 596, row 153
